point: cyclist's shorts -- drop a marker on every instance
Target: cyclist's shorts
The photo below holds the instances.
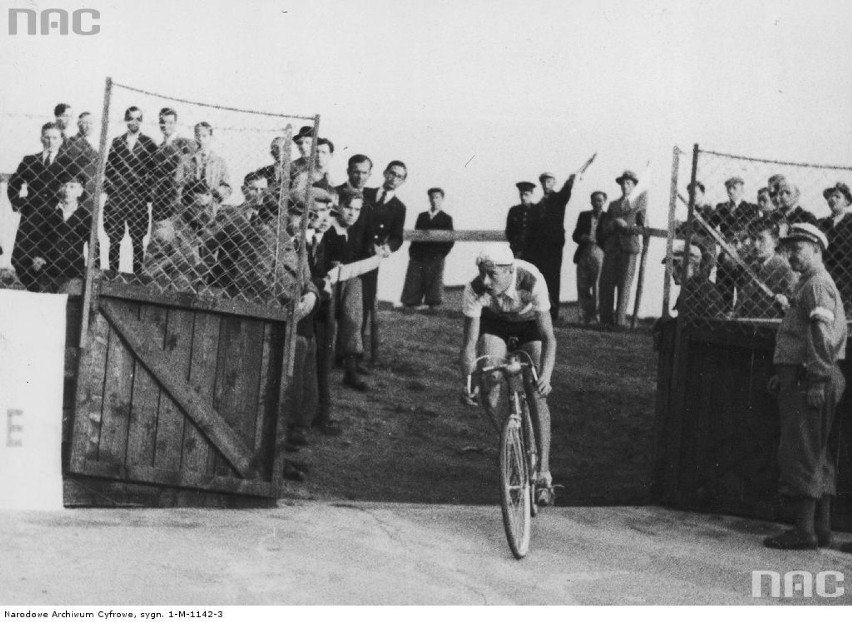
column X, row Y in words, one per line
column 524, row 332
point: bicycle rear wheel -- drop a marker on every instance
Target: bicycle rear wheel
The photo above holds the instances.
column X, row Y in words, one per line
column 515, row 493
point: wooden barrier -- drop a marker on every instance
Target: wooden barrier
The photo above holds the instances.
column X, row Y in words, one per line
column 178, row 402
column 717, row 426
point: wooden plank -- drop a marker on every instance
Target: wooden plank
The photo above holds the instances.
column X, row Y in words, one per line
column 90, row 396
column 170, row 419
column 199, row 302
column 145, row 403
column 118, row 389
column 238, row 375
column 183, row 479
column 483, row 235
column 267, row 401
column 85, row 491
column 202, row 380
column 211, row 422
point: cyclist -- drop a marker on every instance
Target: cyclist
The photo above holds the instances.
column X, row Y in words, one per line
column 509, row 299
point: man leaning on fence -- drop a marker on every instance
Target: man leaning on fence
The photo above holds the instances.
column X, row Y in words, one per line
column 699, row 296
column 772, row 270
column 808, row 384
column 424, row 279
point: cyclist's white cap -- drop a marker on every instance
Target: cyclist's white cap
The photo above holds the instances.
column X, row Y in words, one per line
column 497, row 254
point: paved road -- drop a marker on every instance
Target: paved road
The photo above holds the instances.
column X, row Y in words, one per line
column 359, row 553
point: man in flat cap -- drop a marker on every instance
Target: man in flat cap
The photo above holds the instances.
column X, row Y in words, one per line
column 838, row 231
column 589, row 257
column 622, row 244
column 424, row 279
column 732, row 219
column 808, row 382
column 699, row 296
column 519, row 220
column 547, row 237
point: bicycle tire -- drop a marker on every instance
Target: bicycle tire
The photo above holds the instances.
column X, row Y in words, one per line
column 515, row 493
column 531, row 453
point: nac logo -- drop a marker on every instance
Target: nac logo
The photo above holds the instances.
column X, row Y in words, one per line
column 798, row 583
column 54, row 21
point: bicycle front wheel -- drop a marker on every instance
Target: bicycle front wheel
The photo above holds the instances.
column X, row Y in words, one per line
column 515, row 493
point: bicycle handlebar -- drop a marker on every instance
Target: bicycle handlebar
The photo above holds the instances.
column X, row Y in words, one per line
column 511, row 367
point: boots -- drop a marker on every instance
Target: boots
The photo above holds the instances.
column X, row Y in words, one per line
column 351, row 378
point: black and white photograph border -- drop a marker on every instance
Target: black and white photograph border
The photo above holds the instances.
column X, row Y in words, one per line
column 297, row 426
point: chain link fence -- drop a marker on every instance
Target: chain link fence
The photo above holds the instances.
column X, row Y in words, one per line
column 186, row 197
column 733, row 268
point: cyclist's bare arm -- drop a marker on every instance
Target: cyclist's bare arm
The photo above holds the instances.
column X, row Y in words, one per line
column 548, row 351
column 468, row 350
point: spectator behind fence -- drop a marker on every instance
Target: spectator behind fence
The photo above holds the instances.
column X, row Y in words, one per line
column 49, row 245
column 321, row 177
column 519, row 220
column 173, row 259
column 165, row 199
column 773, row 270
column 589, row 257
column 809, row 385
column 62, row 114
column 789, row 211
column 621, row 244
column 346, row 241
column 732, row 218
column 424, row 279
column 304, row 141
column 274, row 173
column 129, row 167
column 764, row 202
column 700, row 236
column 33, row 189
column 838, row 231
column 548, row 235
column 205, row 164
column 772, row 183
column 386, row 221
column 81, row 150
column 699, row 297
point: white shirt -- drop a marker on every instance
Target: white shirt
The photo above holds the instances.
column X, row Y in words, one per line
column 383, row 196
column 49, row 154
column 525, row 296
column 67, row 212
column 132, row 139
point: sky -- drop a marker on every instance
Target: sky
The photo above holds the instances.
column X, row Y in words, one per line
column 474, row 95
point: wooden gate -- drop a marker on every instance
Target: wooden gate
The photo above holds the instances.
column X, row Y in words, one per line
column 178, row 392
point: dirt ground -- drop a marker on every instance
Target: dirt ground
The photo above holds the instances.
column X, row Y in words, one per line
column 409, row 439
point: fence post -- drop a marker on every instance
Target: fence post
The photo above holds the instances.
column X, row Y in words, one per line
column 667, row 283
column 94, row 250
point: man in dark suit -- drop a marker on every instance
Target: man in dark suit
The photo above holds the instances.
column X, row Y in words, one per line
column 33, row 189
column 732, row 218
column 838, row 230
column 80, row 149
column 519, row 220
column 129, row 167
column 425, row 275
column 386, row 222
column 589, row 257
column 548, row 235
column 63, row 114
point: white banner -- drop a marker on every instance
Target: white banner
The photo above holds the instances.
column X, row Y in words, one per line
column 32, row 355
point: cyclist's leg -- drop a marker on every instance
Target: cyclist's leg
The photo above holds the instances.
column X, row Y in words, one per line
column 492, row 384
column 540, row 410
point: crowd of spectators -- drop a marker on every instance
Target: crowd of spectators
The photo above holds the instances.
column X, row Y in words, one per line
column 176, row 190
column 741, row 259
